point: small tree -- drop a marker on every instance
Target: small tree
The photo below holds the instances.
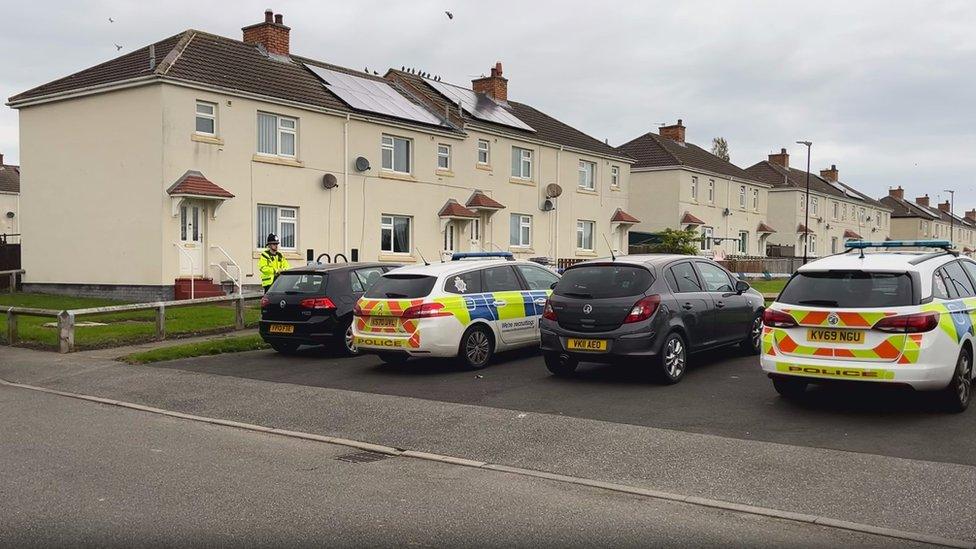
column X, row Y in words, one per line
column 720, row 148
column 678, row 241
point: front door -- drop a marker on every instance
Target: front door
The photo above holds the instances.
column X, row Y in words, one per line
column 193, row 220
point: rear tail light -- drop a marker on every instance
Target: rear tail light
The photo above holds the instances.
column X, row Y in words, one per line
column 547, row 312
column 643, row 309
column 425, row 310
column 909, row 324
column 317, row 303
column 265, row 302
column 778, row 319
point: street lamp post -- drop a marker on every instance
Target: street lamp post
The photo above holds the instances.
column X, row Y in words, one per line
column 952, row 203
column 806, row 214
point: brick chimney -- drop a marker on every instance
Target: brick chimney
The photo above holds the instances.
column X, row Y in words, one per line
column 272, row 34
column 971, row 215
column 782, row 158
column 494, row 86
column 896, row 192
column 944, row 206
column 922, row 201
column 830, row 174
column 1, row 159
column 674, row 132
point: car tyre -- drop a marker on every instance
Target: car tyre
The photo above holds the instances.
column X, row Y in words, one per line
column 788, row 387
column 477, row 348
column 346, row 343
column 393, row 358
column 284, row 348
column 752, row 344
column 672, row 361
column 560, row 364
column 956, row 396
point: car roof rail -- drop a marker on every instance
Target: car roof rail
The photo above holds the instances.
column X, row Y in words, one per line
column 458, row 256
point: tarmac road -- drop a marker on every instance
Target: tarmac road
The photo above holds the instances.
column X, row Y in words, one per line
column 724, row 394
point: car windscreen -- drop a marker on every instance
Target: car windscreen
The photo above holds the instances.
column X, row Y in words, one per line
column 604, row 281
column 299, row 283
column 393, row 286
column 849, row 289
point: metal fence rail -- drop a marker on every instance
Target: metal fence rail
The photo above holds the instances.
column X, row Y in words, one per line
column 66, row 318
column 13, row 278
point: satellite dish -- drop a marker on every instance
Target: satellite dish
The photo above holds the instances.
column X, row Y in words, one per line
column 548, row 205
column 362, row 164
column 553, row 191
column 329, row 181
column 10, row 215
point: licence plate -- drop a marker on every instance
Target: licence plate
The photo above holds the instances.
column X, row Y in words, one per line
column 381, row 322
column 586, row 344
column 281, row 329
column 835, row 336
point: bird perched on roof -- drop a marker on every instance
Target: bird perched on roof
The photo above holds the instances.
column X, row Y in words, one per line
column 366, row 70
column 449, row 15
column 376, row 73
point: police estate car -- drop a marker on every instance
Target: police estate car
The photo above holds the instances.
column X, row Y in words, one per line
column 470, row 307
column 882, row 317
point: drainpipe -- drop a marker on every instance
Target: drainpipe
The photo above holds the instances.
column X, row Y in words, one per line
column 555, row 240
column 345, row 186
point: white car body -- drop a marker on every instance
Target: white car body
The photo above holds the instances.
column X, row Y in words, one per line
column 857, row 349
column 510, row 313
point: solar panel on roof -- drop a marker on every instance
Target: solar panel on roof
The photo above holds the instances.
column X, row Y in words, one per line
column 367, row 94
column 479, row 106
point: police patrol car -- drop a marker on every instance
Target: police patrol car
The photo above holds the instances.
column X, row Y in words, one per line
column 470, row 307
column 881, row 317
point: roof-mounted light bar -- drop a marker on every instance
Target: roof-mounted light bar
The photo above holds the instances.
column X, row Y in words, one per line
column 457, row 256
column 862, row 244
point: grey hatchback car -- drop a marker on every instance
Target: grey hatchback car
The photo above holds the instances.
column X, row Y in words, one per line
column 658, row 308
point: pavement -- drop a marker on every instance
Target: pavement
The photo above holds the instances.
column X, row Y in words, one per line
column 878, row 458
column 77, row 473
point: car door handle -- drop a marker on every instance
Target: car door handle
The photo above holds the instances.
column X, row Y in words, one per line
column 500, row 303
column 540, row 301
column 687, row 306
column 720, row 304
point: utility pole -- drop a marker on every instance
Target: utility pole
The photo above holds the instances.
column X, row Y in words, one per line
column 952, row 203
column 806, row 214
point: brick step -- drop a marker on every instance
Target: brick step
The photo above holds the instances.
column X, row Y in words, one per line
column 202, row 287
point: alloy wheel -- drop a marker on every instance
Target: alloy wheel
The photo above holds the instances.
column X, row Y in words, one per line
column 477, row 347
column 964, row 379
column 756, row 333
column 350, row 341
column 674, row 357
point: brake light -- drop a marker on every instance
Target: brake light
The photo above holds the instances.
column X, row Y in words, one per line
column 317, row 303
column 425, row 310
column 547, row 312
column 643, row 309
column 909, row 324
column 778, row 319
column 265, row 302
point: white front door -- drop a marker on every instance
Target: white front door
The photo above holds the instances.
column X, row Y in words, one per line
column 193, row 221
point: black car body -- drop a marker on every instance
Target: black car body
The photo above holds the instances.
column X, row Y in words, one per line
column 647, row 306
column 312, row 305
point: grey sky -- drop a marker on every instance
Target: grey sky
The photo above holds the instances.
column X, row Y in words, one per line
column 883, row 89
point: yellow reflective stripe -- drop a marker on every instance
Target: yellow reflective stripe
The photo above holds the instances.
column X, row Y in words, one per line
column 514, row 306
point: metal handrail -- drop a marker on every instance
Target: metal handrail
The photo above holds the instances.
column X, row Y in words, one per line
column 192, row 269
column 230, row 276
column 240, row 273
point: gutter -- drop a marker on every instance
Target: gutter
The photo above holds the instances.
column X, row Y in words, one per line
column 732, row 178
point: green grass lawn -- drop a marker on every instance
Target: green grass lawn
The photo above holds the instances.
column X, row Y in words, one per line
column 202, row 348
column 768, row 286
column 120, row 328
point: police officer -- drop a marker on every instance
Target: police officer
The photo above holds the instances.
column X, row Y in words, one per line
column 271, row 263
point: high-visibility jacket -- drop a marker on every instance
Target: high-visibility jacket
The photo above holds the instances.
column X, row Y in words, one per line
column 270, row 264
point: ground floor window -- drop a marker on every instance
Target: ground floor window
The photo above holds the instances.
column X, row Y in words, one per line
column 744, row 242
column 584, row 234
column 395, row 234
column 833, row 244
column 281, row 221
column 521, row 230
column 706, row 243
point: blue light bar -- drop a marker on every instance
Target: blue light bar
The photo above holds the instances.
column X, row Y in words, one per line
column 456, row 256
column 862, row 244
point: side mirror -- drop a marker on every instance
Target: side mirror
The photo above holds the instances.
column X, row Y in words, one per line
column 553, row 285
column 741, row 286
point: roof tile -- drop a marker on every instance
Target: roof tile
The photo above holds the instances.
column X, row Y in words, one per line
column 480, row 201
column 653, row 150
column 621, row 216
column 194, row 183
column 452, row 208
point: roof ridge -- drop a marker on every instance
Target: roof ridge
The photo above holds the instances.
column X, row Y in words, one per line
column 174, row 54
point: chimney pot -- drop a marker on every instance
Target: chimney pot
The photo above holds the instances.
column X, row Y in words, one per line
column 279, row 19
column 494, row 86
column 897, row 192
column 780, row 159
column 268, row 14
column 675, row 132
column 272, row 34
column 922, row 200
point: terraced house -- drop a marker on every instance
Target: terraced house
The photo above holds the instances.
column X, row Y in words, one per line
column 677, row 184
column 185, row 154
column 837, row 211
column 918, row 220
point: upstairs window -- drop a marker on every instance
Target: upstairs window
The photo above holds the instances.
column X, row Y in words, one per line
column 694, row 187
column 277, row 134
column 711, row 191
column 614, row 177
column 443, row 157
column 742, row 196
column 396, row 154
column 755, row 199
column 484, row 152
column 206, row 122
column 587, row 171
column 521, row 163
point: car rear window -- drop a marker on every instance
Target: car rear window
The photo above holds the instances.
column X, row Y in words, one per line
column 299, row 283
column 849, row 289
column 393, row 286
column 604, row 281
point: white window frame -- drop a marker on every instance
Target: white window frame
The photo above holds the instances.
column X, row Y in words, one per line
column 833, row 244
column 814, row 205
column 742, row 197
column 581, row 243
column 388, row 143
column 836, row 209
column 744, row 242
column 711, row 191
column 694, row 188
column 525, row 160
column 450, row 240
column 475, row 229
column 486, row 149
column 281, row 128
column 614, row 177
column 444, row 153
column 524, row 221
column 755, row 199
column 860, row 216
column 212, row 116
column 384, row 226
column 280, row 220
column 586, row 171
column 706, row 242
column 811, row 243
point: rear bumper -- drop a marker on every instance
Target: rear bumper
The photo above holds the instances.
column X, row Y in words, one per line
column 310, row 332
column 633, row 341
column 920, row 376
column 433, row 337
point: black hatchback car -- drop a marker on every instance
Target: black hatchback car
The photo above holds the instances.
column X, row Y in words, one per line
column 312, row 305
column 657, row 308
